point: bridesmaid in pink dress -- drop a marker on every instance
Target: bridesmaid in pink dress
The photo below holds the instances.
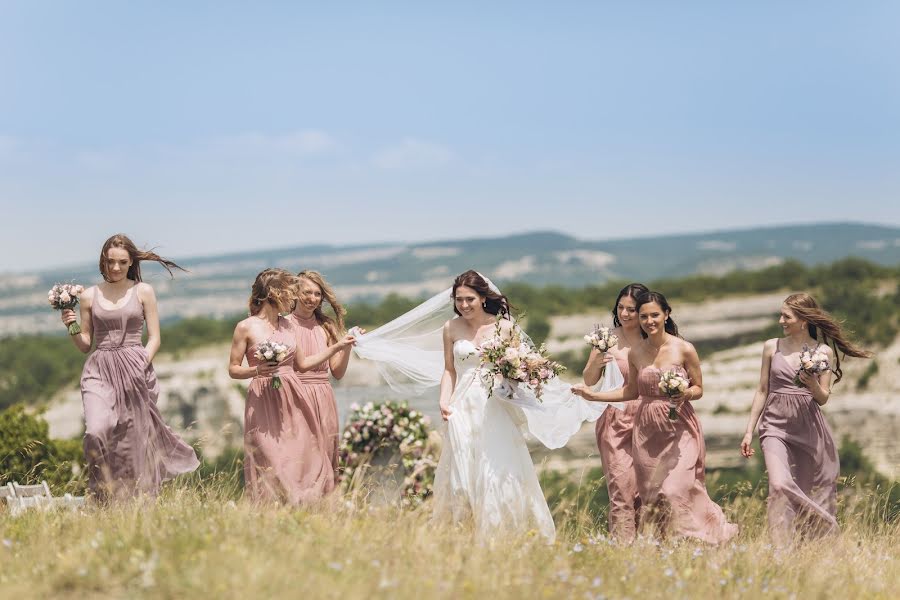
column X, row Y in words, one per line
column 128, row 448
column 314, row 332
column 614, row 427
column 669, row 455
column 282, row 457
column 799, row 450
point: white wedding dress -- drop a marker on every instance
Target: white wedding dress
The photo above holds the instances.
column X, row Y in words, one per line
column 485, row 474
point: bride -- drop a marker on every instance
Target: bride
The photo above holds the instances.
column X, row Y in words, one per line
column 485, row 474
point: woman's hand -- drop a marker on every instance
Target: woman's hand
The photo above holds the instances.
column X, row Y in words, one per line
column 579, row 389
column 445, row 411
column 267, row 368
column 811, row 382
column 68, row 316
column 746, row 449
column 347, row 341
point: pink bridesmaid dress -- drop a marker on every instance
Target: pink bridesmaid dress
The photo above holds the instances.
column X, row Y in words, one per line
column 290, row 446
column 669, row 462
column 128, row 448
column 801, row 458
column 614, row 440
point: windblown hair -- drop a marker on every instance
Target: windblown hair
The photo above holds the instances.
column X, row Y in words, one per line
column 495, row 303
column 649, row 297
column 817, row 320
column 121, row 240
column 274, row 286
column 333, row 326
column 632, row 290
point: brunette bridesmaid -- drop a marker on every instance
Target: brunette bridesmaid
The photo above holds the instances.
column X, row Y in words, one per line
column 669, row 453
column 128, row 448
column 799, row 450
column 282, row 461
column 614, row 427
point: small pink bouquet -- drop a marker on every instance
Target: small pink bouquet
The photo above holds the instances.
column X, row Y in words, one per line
column 269, row 351
column 64, row 296
column 601, row 338
column 812, row 362
column 672, row 384
column 508, row 360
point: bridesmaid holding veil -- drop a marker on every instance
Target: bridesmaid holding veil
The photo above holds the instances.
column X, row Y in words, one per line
column 614, row 428
column 314, row 331
column 281, row 458
column 669, row 454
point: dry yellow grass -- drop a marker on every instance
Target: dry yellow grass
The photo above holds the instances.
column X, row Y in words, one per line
column 194, row 542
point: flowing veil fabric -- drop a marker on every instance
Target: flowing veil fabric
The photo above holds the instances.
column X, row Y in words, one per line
column 408, row 353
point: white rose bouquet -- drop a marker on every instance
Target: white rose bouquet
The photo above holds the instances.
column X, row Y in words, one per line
column 64, row 296
column 672, row 384
column 269, row 351
column 811, row 361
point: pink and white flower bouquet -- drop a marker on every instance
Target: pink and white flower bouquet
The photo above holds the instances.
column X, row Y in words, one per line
column 671, row 383
column 508, row 359
column 270, row 351
column 812, row 362
column 64, row 296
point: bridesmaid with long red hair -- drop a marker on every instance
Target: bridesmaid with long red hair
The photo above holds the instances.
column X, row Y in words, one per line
column 799, row 450
column 669, row 453
column 315, row 330
column 615, row 427
column 281, row 463
column 128, row 448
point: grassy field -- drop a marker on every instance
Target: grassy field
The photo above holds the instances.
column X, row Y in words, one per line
column 196, row 541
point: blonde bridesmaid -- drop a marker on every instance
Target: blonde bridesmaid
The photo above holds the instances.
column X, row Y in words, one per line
column 281, row 434
column 615, row 427
column 799, row 450
column 669, row 454
column 128, row 448
column 315, row 330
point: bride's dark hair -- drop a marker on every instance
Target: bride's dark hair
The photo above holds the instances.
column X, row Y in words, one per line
column 495, row 303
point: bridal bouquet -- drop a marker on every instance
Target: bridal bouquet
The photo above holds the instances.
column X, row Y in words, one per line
column 269, row 351
column 601, row 338
column 63, row 296
column 508, row 359
column 672, row 384
column 811, row 361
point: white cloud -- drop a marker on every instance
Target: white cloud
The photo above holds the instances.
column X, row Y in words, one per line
column 306, row 143
column 411, row 153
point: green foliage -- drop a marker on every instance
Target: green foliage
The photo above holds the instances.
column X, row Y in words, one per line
column 28, row 455
column 864, row 294
column 871, row 371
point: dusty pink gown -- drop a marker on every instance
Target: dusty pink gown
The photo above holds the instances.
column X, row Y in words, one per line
column 669, row 462
column 614, row 440
column 801, row 458
column 291, row 433
column 128, row 448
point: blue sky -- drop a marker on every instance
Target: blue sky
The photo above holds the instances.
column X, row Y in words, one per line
column 211, row 127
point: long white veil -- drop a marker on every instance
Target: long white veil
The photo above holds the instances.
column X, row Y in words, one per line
column 408, row 353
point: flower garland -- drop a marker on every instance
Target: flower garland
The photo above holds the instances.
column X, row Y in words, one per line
column 391, row 426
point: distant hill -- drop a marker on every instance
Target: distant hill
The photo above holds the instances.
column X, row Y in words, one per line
column 219, row 285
